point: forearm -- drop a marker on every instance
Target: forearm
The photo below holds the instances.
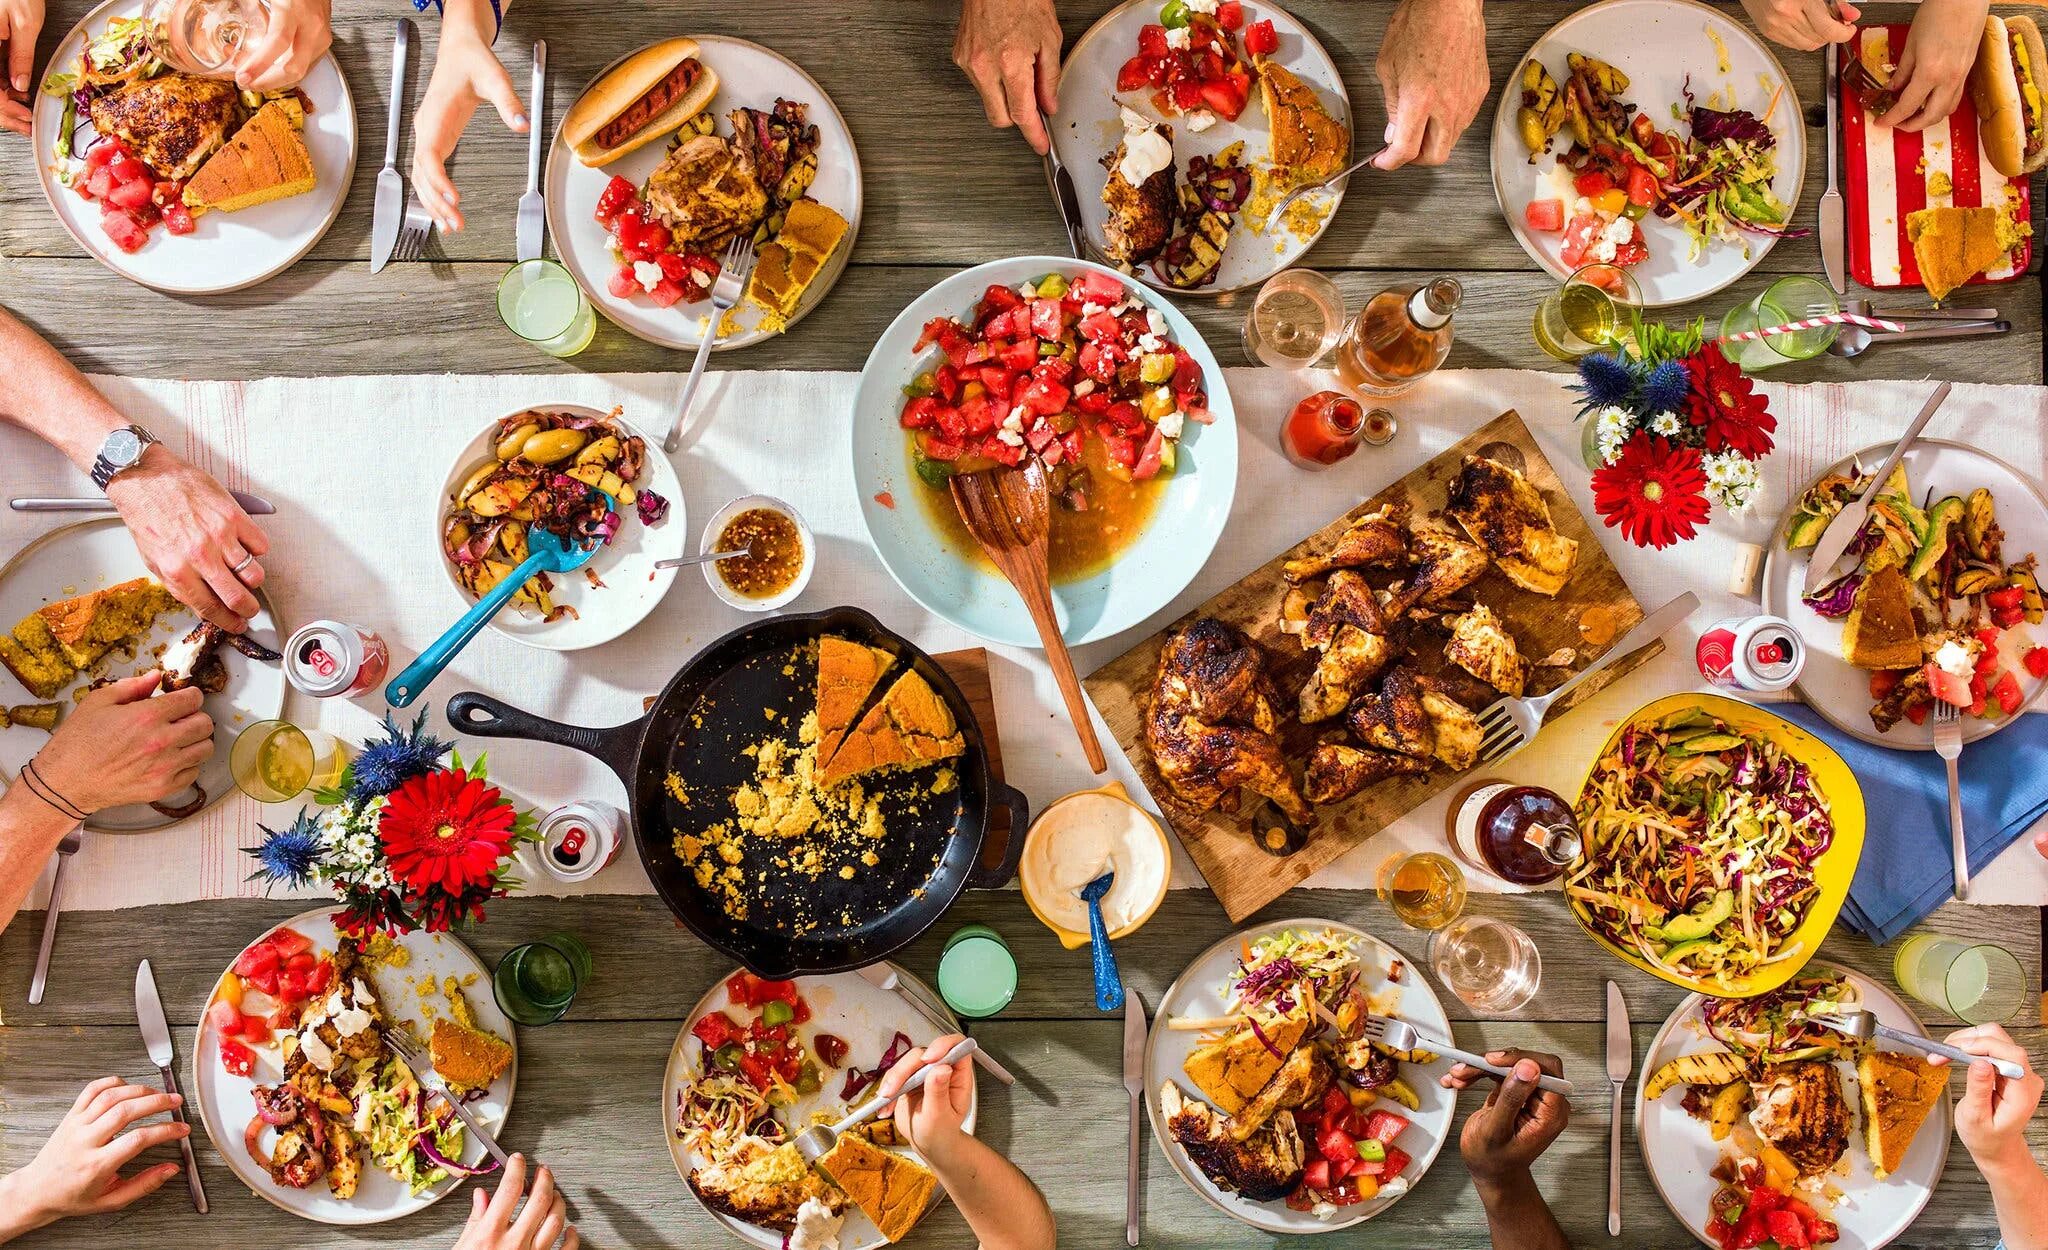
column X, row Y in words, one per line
column 20, row 1214
column 2019, row 1191
column 1517, row 1218
column 30, row 830
column 1001, row 1205
column 42, row 393
column 472, row 17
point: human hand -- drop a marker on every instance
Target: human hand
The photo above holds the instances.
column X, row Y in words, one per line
column 466, row 73
column 121, row 746
column 20, row 22
column 1935, row 67
column 1010, row 50
column 1992, row 1115
column 1803, row 24
column 1432, row 69
column 1518, row 1120
column 192, row 535
column 931, row 1116
column 539, row 1225
column 297, row 36
column 78, row 1170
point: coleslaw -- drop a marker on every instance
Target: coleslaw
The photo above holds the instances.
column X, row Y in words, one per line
column 1773, row 1028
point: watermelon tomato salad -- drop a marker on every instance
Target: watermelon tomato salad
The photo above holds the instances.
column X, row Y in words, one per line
column 1042, row 369
column 1189, row 59
column 132, row 199
column 650, row 263
column 263, row 994
column 1349, row 1152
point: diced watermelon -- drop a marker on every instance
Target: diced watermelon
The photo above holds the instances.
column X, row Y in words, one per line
column 1317, row 1174
column 999, row 298
column 1098, row 288
column 1135, row 74
column 667, row 293
column 1019, row 356
column 2036, row 661
column 1883, row 681
column 1545, row 215
column 1384, row 1126
column 1337, row 1148
column 131, row 194
column 2006, row 693
column 1048, row 318
column 1397, row 1159
column 921, row 413
column 223, row 1017
column 1260, row 39
column 1945, row 685
column 623, row 284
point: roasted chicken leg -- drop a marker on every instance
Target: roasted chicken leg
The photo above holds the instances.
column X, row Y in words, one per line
column 1210, row 725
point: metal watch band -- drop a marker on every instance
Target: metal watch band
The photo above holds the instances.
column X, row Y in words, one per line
column 104, row 470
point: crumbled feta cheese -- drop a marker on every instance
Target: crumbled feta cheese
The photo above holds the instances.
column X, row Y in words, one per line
column 1015, row 421
column 1163, row 394
column 1084, row 386
column 1149, row 343
column 1611, row 237
column 1122, row 307
column 1155, row 321
column 1027, row 290
column 317, row 1052
column 647, row 274
column 1200, row 120
column 1177, row 37
column 1203, row 6
column 1012, row 437
column 1582, row 205
column 1170, row 424
column 1090, row 309
column 1395, row 1187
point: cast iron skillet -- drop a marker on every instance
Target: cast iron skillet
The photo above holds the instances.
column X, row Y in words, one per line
column 696, row 728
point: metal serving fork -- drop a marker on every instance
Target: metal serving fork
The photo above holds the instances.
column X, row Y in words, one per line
column 1948, row 744
column 1510, row 724
column 1862, row 1026
column 726, row 290
column 412, row 235
column 1400, row 1035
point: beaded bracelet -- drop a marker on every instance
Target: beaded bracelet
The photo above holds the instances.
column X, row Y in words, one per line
column 497, row 14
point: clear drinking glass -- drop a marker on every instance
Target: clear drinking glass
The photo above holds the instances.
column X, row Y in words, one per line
column 1974, row 981
column 1490, row 964
column 535, row 983
column 540, row 302
column 1586, row 314
column 977, row 972
column 1294, row 321
column 1426, row 890
column 274, row 761
column 1793, row 298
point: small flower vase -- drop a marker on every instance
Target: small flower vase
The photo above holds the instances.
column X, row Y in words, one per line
column 1589, row 442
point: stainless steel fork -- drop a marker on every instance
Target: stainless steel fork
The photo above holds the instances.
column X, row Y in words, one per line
column 412, row 236
column 1948, row 744
column 1862, row 1026
column 726, row 290
column 1400, row 1035
column 65, row 850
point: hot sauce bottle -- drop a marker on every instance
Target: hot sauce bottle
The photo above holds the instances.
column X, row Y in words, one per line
column 1323, row 429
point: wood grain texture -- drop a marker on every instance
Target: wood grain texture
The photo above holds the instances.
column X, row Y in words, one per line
column 588, row 1103
column 969, row 670
column 1246, row 878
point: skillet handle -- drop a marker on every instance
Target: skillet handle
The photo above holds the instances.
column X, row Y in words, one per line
column 981, row 877
column 485, row 717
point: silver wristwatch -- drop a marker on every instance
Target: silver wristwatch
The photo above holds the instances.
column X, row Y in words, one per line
column 121, row 452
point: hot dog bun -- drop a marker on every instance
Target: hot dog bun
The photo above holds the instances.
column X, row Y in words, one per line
column 2008, row 93
column 612, row 96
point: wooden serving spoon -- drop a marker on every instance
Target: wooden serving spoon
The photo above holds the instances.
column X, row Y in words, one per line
column 1008, row 513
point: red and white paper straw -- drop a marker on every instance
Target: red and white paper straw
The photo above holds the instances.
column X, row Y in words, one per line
column 1815, row 323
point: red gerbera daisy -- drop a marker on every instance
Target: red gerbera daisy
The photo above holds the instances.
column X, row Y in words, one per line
column 1654, row 490
column 445, row 832
column 1725, row 405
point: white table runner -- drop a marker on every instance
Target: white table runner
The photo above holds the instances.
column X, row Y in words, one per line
column 354, row 466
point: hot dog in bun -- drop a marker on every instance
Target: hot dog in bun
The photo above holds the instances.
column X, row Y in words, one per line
column 646, row 96
column 2006, row 84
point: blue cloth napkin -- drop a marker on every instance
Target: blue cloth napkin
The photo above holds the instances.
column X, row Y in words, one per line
column 1906, row 871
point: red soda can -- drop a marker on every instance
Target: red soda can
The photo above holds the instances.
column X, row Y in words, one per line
column 1754, row 653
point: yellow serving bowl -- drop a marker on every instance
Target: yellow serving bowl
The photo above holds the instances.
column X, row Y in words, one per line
column 1068, row 937
column 1833, row 870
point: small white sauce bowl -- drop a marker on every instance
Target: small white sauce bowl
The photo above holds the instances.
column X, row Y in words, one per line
column 709, row 543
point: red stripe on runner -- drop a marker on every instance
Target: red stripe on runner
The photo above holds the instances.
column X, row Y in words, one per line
column 1910, row 178
column 1968, row 171
column 1856, row 168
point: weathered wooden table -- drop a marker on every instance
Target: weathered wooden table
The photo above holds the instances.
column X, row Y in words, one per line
column 943, row 192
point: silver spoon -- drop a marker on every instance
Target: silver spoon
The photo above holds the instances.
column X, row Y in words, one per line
column 1854, row 340
column 710, row 557
column 1281, row 208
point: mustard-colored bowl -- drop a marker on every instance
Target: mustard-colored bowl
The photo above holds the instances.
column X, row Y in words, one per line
column 1039, row 827
column 1833, row 870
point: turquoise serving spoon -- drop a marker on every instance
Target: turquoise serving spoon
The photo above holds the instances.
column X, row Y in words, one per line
column 1109, row 984
column 546, row 553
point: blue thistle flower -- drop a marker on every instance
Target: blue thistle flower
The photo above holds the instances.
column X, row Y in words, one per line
column 397, row 758
column 1606, row 379
column 1664, row 390
column 289, row 855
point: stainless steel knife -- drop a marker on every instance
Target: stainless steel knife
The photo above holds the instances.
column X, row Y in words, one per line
column 1833, row 224
column 1621, row 1060
column 532, row 208
column 1848, row 523
column 254, row 505
column 156, row 1038
column 1068, row 202
column 1134, row 1085
column 883, row 977
column 389, row 212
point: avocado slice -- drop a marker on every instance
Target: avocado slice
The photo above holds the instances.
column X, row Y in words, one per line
column 1684, row 718
column 1697, row 946
column 1704, row 744
column 1895, row 482
column 1695, row 924
column 1806, row 529
column 1941, row 519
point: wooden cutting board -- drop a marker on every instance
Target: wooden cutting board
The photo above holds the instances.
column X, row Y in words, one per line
column 1246, row 878
column 969, row 670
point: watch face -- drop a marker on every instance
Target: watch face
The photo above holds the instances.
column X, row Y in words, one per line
column 122, row 448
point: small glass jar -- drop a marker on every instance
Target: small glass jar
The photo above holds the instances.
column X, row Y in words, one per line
column 1323, row 429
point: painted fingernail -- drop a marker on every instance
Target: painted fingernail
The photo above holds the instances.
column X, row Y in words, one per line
column 518, row 119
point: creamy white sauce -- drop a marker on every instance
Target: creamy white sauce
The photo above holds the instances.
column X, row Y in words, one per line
column 1078, row 840
column 817, row 1228
column 1147, row 150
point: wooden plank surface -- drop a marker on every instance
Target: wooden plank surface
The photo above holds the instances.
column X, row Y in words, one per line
column 589, row 1097
column 969, row 670
column 1245, row 877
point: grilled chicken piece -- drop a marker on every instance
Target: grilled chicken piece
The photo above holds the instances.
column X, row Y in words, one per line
column 1445, row 564
column 194, row 660
column 1456, row 728
column 171, row 122
column 1140, row 218
column 1307, row 144
column 1299, row 1082
column 1910, row 688
column 1505, row 514
column 344, row 1156
column 1376, row 540
column 1336, row 771
column 1262, row 1168
column 1210, row 725
column 1352, row 659
column 1483, row 647
column 1395, row 719
column 707, row 191
column 1801, row 1111
column 1346, row 600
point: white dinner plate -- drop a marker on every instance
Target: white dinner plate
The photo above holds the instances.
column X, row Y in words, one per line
column 749, row 76
column 1681, row 1154
column 1199, row 992
column 1659, row 44
column 93, row 555
column 845, row 1005
column 1840, row 693
column 228, row 251
column 1088, row 127
column 632, row 586
column 226, row 1102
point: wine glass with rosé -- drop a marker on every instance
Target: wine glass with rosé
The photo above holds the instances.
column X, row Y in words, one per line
column 204, row 38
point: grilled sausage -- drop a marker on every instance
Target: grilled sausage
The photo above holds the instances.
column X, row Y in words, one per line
column 652, row 103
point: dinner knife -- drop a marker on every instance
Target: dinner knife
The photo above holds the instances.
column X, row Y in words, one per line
column 254, row 505
column 883, row 977
column 1068, row 202
column 156, row 1038
column 1621, row 1060
column 389, row 212
column 1833, row 223
column 1134, row 1085
column 1848, row 523
column 532, row 209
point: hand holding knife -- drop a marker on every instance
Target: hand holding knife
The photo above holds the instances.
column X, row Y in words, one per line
column 156, row 1037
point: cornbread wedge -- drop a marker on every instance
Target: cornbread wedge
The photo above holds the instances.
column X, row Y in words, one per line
column 911, row 726
column 891, row 1189
column 90, row 625
column 848, row 673
column 1898, row 1092
column 266, row 160
column 470, row 1058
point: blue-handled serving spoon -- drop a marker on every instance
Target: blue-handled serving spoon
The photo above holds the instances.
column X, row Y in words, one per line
column 546, row 552
column 1109, row 984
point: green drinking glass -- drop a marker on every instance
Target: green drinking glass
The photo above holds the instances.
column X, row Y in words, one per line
column 535, row 983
